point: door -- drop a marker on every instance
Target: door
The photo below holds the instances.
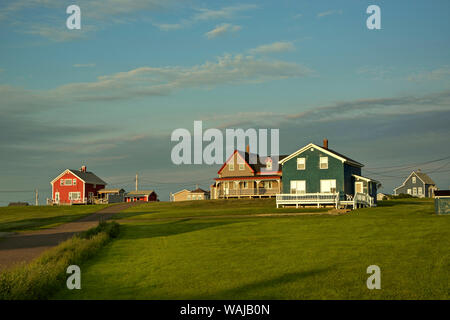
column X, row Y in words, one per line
column 57, row 197
column 359, row 187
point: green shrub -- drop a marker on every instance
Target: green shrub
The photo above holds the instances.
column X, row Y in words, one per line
column 47, row 274
column 403, row 196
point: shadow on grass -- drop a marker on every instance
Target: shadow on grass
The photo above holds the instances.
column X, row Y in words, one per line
column 168, row 229
column 37, row 223
column 257, row 289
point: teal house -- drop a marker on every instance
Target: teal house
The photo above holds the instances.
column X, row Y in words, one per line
column 319, row 170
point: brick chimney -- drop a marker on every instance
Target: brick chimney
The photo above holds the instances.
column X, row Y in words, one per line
column 325, row 143
column 83, row 169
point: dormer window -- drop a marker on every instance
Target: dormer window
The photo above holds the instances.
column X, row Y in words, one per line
column 323, row 162
column 269, row 165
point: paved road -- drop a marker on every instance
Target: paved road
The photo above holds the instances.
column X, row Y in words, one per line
column 24, row 247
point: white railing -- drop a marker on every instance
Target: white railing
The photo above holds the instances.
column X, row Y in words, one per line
column 307, row 198
column 247, row 192
column 363, row 199
column 358, row 200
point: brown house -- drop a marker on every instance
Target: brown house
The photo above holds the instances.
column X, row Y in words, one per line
column 247, row 175
column 187, row 195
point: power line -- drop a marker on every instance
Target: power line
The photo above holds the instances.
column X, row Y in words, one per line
column 407, row 166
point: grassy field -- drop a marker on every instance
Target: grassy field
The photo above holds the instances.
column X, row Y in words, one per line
column 302, row 257
column 185, row 209
column 32, row 217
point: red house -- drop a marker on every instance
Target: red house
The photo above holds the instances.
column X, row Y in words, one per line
column 141, row 195
column 76, row 187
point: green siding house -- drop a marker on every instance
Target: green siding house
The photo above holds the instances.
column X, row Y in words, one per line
column 318, row 169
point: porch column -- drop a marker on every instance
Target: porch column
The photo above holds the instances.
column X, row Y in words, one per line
column 257, row 186
column 238, row 191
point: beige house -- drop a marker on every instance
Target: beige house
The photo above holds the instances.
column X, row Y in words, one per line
column 247, row 175
column 188, row 195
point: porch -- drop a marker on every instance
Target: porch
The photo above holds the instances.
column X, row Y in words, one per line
column 251, row 188
column 336, row 200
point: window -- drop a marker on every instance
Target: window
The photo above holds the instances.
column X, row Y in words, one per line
column 298, row 186
column 74, row 182
column 413, row 179
column 327, row 186
column 359, row 187
column 74, row 196
column 414, row 191
column 245, row 184
column 231, row 166
column 269, row 165
column 323, row 162
column 419, row 191
column 301, row 163
column 194, row 197
column 241, row 166
column 268, row 184
column 408, row 191
column 189, row 197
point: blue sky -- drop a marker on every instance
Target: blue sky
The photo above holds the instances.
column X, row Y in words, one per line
column 110, row 94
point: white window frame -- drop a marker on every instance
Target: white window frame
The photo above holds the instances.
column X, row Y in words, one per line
column 189, row 197
column 332, row 185
column 245, row 184
column 323, row 160
column 419, row 191
column 298, row 186
column 301, row 163
column 74, row 182
column 241, row 166
column 67, row 182
column 231, row 166
column 61, row 182
column 269, row 165
column 408, row 191
column 414, row 191
column 414, row 180
column 73, row 196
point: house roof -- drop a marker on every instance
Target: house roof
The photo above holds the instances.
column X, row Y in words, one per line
column 181, row 191
column 199, row 190
column 110, row 190
column 424, row 177
column 260, row 161
column 88, row 177
column 324, row 150
column 365, row 178
column 140, row 193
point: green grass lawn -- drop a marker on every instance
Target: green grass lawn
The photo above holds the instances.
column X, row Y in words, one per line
column 302, row 257
column 183, row 209
column 38, row 217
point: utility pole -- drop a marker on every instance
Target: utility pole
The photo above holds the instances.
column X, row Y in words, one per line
column 37, row 197
column 136, row 181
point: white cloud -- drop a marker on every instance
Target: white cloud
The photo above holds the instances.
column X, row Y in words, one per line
column 375, row 72
column 223, row 13
column 204, row 14
column 279, row 46
column 151, row 81
column 436, row 74
column 328, row 13
column 221, row 30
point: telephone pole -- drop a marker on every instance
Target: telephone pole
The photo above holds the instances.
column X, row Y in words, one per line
column 37, row 197
column 136, row 181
